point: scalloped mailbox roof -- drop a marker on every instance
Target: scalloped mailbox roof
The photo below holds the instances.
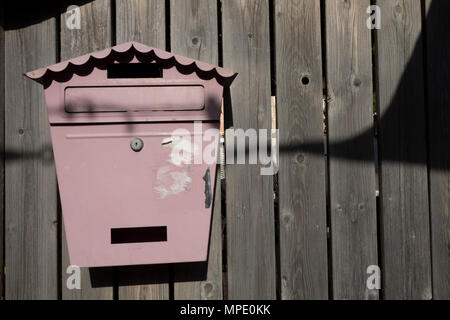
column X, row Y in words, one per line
column 222, row 75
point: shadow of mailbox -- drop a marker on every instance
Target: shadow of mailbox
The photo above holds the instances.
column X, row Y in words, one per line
column 134, row 159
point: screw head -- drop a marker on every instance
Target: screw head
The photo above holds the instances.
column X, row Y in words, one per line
column 137, row 144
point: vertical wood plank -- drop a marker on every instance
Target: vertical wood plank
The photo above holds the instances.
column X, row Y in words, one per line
column 2, row 145
column 94, row 35
column 301, row 179
column 351, row 148
column 193, row 29
column 142, row 21
column 404, row 186
column 250, row 208
column 193, row 33
column 148, row 282
column 438, row 77
column 30, row 179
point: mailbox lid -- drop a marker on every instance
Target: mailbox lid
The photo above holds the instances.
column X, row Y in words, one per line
column 133, row 100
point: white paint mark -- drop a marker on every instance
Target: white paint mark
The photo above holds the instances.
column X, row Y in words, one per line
column 171, row 183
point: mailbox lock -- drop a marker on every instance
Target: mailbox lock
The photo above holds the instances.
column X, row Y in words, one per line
column 137, row 144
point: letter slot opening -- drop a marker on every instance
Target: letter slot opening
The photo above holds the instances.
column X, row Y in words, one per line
column 134, row 70
column 138, row 235
column 134, row 97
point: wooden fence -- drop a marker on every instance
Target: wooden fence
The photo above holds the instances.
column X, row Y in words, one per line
column 373, row 190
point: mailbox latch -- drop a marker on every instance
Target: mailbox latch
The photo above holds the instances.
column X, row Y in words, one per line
column 207, row 179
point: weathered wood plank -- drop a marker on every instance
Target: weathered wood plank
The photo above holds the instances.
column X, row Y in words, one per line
column 404, row 186
column 94, row 34
column 149, row 282
column 193, row 29
column 193, row 33
column 2, row 144
column 351, row 148
column 30, row 179
column 142, row 21
column 250, row 209
column 438, row 76
column 301, row 179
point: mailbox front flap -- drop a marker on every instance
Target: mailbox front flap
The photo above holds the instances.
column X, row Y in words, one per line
column 108, row 187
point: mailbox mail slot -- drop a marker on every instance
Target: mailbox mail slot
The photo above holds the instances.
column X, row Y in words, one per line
column 134, row 185
column 134, row 98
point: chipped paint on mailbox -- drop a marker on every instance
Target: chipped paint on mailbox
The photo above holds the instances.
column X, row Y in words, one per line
column 171, row 182
column 121, row 162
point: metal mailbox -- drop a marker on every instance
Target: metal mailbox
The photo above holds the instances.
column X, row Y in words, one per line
column 127, row 143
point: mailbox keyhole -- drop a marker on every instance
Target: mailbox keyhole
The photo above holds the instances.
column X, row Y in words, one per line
column 137, row 144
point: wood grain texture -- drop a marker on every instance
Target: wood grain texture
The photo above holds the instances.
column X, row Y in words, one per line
column 94, row 35
column 142, row 21
column 301, row 179
column 193, row 33
column 438, row 77
column 30, row 179
column 95, row 31
column 193, row 29
column 250, row 208
column 2, row 146
column 404, row 185
column 351, row 148
column 148, row 282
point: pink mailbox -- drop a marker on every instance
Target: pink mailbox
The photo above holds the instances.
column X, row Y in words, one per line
column 135, row 133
